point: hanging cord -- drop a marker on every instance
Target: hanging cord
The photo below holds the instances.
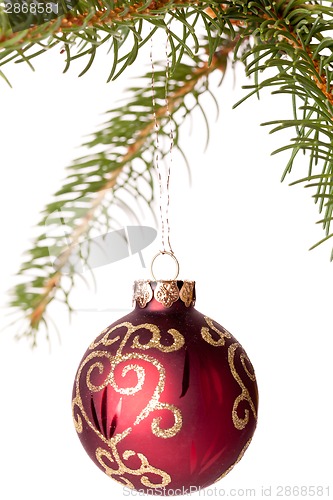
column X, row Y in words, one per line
column 163, row 181
column 167, row 78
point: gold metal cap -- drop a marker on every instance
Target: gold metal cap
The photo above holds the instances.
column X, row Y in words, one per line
column 166, row 292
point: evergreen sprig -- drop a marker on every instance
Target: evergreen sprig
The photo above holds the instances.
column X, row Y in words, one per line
column 122, row 162
column 286, row 47
column 290, row 43
column 120, row 25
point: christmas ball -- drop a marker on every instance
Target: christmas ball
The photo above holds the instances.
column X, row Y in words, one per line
column 165, row 399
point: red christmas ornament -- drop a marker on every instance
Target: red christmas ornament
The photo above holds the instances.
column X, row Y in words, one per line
column 165, row 398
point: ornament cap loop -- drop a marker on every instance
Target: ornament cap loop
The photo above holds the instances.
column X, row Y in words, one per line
column 172, row 255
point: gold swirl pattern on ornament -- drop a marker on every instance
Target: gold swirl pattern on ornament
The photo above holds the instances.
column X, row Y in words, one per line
column 178, row 340
column 172, row 431
column 144, row 468
column 235, row 463
column 78, row 403
column 207, row 336
column 96, row 357
column 240, row 423
column 155, row 341
column 77, row 422
column 244, row 358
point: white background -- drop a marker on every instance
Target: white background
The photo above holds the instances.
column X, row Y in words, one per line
column 240, row 233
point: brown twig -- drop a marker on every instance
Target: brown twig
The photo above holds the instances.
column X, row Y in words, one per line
column 68, row 22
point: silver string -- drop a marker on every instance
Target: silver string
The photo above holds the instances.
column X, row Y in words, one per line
column 167, row 78
column 163, row 207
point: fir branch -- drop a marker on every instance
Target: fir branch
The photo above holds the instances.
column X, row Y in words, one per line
column 90, row 24
column 114, row 169
column 285, row 39
column 289, row 43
